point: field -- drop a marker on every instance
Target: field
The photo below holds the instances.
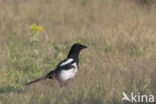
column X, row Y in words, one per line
column 121, row 53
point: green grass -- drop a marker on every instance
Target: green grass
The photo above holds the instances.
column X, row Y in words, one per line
column 121, row 53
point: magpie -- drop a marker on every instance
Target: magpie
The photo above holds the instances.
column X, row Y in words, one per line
column 67, row 68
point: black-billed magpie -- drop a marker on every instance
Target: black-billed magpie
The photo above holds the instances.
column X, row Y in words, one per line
column 67, row 68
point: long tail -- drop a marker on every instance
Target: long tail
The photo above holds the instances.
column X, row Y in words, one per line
column 38, row 79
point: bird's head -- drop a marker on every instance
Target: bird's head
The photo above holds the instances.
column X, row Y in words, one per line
column 75, row 49
column 78, row 47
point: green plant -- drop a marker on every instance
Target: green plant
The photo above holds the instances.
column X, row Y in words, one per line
column 35, row 30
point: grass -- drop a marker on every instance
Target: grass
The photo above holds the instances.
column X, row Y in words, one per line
column 121, row 53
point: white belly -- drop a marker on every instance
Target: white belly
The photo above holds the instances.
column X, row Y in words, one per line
column 64, row 75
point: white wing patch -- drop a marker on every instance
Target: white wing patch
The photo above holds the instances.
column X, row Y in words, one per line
column 67, row 74
column 66, row 62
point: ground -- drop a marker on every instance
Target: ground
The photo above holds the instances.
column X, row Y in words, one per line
column 121, row 53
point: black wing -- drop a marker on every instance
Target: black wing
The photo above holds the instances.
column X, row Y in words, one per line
column 60, row 67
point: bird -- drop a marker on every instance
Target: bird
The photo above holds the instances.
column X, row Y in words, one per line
column 66, row 69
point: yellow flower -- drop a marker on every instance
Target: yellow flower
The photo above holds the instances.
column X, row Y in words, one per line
column 32, row 27
column 35, row 27
column 40, row 28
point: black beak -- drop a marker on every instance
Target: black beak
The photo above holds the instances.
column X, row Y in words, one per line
column 83, row 46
